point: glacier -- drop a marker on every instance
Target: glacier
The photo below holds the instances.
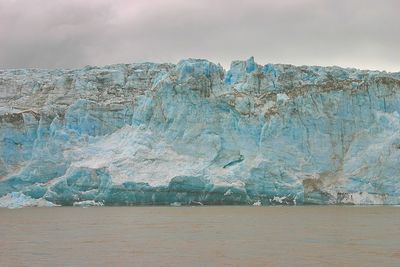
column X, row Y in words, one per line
column 192, row 133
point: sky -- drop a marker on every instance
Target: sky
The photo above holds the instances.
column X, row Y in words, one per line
column 74, row 33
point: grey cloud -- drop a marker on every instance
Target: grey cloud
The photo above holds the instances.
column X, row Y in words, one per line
column 56, row 33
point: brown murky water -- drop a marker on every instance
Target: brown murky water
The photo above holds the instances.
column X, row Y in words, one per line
column 201, row 236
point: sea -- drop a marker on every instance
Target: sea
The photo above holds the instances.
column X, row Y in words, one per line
column 201, row 236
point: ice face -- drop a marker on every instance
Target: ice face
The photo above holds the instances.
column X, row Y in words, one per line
column 193, row 133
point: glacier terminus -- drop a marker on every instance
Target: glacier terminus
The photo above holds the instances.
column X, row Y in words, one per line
column 192, row 133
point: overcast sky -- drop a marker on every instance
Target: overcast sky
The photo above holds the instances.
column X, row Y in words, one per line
column 74, row 33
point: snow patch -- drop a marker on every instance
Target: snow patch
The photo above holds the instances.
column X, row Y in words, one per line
column 19, row 200
column 257, row 203
column 364, row 198
column 228, row 193
column 88, row 203
column 279, row 199
column 282, row 98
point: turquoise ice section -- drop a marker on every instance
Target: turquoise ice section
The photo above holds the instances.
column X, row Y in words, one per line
column 193, row 133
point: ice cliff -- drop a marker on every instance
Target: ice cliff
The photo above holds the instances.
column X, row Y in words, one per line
column 193, row 133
